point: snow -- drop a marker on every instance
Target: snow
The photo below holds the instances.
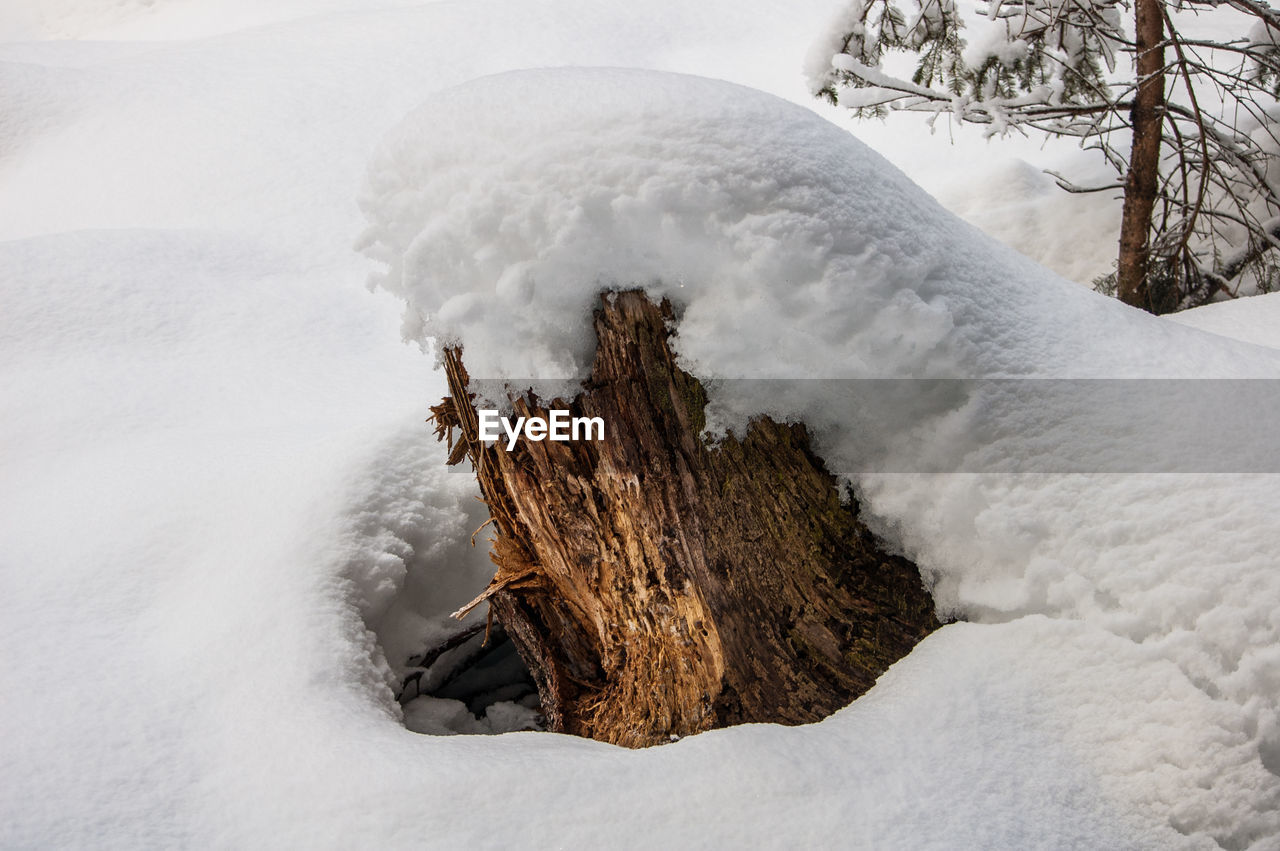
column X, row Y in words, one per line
column 748, row 212
column 990, row 38
column 437, row 716
column 792, row 251
column 1253, row 320
column 226, row 527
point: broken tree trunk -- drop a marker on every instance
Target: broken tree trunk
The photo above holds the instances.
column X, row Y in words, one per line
column 657, row 586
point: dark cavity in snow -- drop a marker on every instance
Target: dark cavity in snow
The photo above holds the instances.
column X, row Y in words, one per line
column 419, row 544
column 467, row 684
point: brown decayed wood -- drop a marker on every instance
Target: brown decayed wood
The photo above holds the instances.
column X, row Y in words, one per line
column 657, row 586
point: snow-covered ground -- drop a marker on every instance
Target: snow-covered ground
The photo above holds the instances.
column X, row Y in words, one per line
column 221, row 511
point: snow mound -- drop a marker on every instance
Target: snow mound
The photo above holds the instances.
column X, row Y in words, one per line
column 500, row 232
column 792, row 251
column 498, row 227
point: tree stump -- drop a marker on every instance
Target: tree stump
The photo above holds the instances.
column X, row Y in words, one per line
column 657, row 586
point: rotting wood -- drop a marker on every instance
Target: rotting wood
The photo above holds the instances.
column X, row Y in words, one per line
column 658, row 587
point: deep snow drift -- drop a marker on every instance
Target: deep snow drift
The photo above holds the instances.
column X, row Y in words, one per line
column 790, row 250
column 754, row 216
column 221, row 506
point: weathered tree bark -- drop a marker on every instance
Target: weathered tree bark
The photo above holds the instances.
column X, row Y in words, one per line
column 1140, row 184
column 658, row 587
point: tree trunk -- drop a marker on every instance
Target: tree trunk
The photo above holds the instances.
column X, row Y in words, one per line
column 658, row 587
column 1147, row 117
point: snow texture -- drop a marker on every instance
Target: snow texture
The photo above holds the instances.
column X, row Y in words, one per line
column 749, row 213
column 792, row 251
column 224, row 527
column 1253, row 320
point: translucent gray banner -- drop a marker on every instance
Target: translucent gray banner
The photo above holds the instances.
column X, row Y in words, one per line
column 1008, row 425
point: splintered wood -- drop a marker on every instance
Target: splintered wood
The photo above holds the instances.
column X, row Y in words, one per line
column 658, row 587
